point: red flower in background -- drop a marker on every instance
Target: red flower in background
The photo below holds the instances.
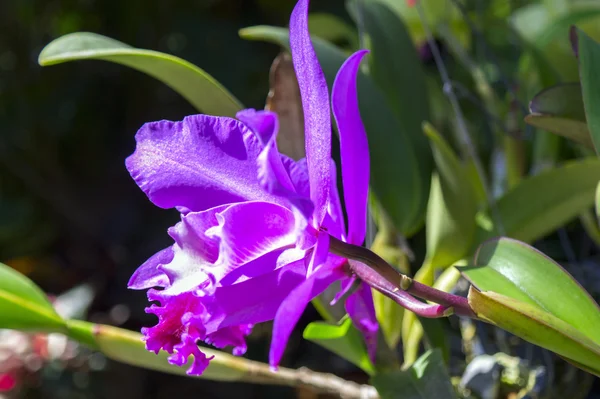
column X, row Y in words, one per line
column 7, row 382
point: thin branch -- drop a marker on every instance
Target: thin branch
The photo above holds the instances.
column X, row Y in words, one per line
column 323, row 383
column 128, row 347
column 382, row 276
column 370, row 276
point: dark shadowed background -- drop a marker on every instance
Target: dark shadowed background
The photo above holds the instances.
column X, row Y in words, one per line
column 69, row 211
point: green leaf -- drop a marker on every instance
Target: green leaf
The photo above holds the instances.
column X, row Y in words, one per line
column 559, row 109
column 540, row 204
column 432, row 329
column 389, row 316
column 343, row 340
column 597, row 202
column 559, row 27
column 535, row 325
column 393, row 157
column 385, row 244
column 23, row 306
column 195, row 85
column 589, row 65
column 452, row 206
column 426, row 378
column 396, row 68
column 516, row 270
column 435, row 336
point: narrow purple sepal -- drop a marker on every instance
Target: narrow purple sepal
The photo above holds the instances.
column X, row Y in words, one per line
column 315, row 103
column 334, row 219
column 320, row 253
column 354, row 147
column 361, row 310
column 345, row 285
column 292, row 307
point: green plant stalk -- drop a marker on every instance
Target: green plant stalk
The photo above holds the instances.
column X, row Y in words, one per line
column 127, row 347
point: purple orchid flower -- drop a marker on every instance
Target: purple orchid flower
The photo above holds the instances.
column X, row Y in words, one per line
column 253, row 241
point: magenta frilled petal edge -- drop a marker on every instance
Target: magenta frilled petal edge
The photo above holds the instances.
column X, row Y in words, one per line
column 218, row 315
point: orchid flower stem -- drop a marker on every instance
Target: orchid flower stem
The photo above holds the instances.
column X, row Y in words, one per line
column 380, row 275
column 323, row 383
column 401, row 297
column 127, row 347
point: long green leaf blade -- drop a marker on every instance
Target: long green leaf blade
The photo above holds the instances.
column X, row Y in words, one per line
column 23, row 306
column 589, row 65
column 559, row 109
column 397, row 70
column 343, row 340
column 521, row 272
column 427, row 378
column 195, row 85
column 452, row 205
column 538, row 327
column 542, row 203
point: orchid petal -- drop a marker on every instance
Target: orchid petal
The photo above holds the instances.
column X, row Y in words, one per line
column 231, row 336
column 263, row 265
column 361, row 309
column 198, row 163
column 345, row 286
column 194, row 253
column 298, row 171
column 334, row 219
column 320, row 253
column 222, row 316
column 149, row 275
column 272, row 173
column 173, row 317
column 315, row 103
column 292, row 307
column 189, row 347
column 353, row 147
column 249, row 302
column 249, row 230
